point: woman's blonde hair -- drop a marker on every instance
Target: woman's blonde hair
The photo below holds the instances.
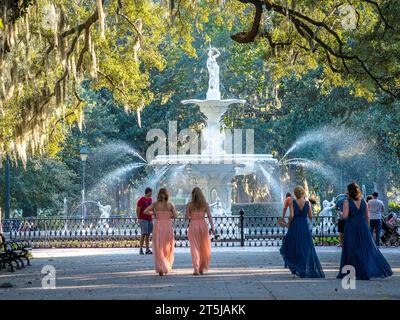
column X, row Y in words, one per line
column 198, row 200
column 299, row 192
column 163, row 195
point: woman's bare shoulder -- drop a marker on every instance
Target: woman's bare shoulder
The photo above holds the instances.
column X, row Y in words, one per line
column 170, row 206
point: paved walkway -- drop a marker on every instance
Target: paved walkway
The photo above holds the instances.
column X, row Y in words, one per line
column 237, row 273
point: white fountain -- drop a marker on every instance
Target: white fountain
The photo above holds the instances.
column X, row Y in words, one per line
column 216, row 165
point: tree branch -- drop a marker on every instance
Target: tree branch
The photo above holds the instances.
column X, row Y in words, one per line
column 250, row 35
column 387, row 25
column 300, row 21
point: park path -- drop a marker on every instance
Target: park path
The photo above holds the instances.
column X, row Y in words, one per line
column 237, row 273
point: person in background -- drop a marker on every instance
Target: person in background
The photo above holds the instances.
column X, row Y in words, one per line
column 376, row 209
column 359, row 249
column 286, row 203
column 369, row 197
column 145, row 220
column 341, row 220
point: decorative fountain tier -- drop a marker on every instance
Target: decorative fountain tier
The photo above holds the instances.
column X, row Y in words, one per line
column 215, row 166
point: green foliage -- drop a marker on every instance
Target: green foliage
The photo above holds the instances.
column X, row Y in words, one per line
column 40, row 188
column 393, row 206
column 355, row 42
column 289, row 90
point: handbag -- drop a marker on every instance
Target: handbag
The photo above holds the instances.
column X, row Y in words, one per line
column 282, row 222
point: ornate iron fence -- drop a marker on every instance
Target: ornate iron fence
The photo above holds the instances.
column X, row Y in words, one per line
column 120, row 232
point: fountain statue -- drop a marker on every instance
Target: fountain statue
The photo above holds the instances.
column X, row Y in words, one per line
column 216, row 208
column 327, row 208
column 104, row 216
column 213, row 92
column 105, row 210
column 215, row 165
column 326, row 214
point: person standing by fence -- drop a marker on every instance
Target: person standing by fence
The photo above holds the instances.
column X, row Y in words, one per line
column 145, row 220
column 376, row 209
column 341, row 220
column 298, row 249
column 286, row 204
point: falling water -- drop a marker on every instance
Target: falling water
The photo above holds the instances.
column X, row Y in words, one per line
column 275, row 185
column 152, row 180
column 117, row 149
column 316, row 166
column 115, row 174
column 329, row 137
column 176, row 174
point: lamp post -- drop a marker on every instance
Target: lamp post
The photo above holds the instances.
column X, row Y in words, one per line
column 84, row 152
column 7, row 189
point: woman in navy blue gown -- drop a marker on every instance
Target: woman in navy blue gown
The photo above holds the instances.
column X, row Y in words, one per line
column 359, row 249
column 297, row 249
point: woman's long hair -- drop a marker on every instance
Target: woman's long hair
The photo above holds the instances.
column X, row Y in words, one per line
column 299, row 192
column 198, row 200
column 354, row 191
column 163, row 195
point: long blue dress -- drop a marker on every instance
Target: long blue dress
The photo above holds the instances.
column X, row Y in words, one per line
column 297, row 249
column 359, row 249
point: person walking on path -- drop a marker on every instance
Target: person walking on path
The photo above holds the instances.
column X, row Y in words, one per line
column 163, row 233
column 376, row 209
column 298, row 249
column 359, row 249
column 145, row 220
column 199, row 238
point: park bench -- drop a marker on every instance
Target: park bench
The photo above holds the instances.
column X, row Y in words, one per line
column 14, row 253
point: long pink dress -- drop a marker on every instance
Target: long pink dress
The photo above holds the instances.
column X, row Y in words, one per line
column 200, row 244
column 163, row 242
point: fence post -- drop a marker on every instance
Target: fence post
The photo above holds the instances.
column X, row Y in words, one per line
column 241, row 227
column 321, row 239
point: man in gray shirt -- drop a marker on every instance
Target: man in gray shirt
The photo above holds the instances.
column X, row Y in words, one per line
column 376, row 208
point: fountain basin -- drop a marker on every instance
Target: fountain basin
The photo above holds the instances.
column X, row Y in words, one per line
column 235, row 159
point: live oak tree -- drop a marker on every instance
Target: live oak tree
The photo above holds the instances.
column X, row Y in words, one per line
column 356, row 41
column 47, row 47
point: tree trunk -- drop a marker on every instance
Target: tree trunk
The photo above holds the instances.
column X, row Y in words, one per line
column 382, row 187
column 117, row 199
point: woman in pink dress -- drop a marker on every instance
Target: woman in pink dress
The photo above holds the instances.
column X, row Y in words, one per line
column 163, row 233
column 200, row 244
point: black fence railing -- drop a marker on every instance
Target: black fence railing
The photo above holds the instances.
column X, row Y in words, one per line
column 121, row 232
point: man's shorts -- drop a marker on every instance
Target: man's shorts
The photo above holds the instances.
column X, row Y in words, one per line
column 341, row 224
column 146, row 226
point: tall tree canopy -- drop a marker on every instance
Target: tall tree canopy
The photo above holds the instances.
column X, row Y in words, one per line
column 48, row 47
column 357, row 41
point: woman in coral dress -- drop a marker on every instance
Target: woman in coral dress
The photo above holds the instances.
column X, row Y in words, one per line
column 199, row 238
column 163, row 233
